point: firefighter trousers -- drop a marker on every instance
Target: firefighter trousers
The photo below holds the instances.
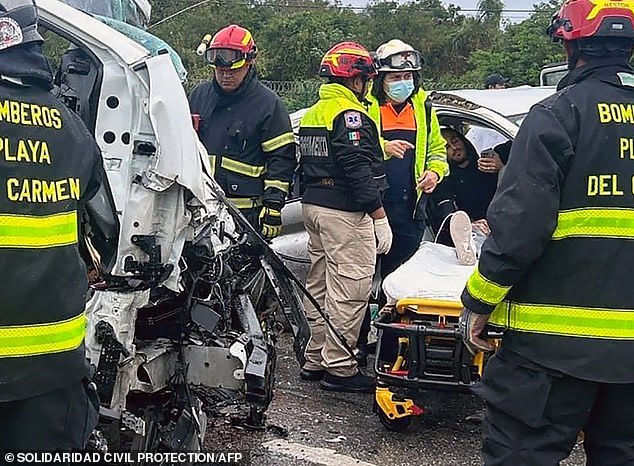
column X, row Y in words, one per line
column 534, row 415
column 342, row 251
column 61, row 420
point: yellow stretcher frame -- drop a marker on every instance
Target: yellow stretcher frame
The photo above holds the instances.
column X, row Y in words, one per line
column 394, row 410
column 441, row 308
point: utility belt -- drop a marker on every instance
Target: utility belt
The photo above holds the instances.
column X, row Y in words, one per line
column 326, row 182
column 330, row 182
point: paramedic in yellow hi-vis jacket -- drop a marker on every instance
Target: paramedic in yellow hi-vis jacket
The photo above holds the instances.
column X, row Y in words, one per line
column 49, row 168
column 417, row 157
column 556, row 271
column 342, row 178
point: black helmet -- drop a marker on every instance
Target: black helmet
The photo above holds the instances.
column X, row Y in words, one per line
column 18, row 23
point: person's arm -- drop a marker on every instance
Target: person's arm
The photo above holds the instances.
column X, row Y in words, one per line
column 278, row 143
column 355, row 146
column 524, row 211
column 97, row 174
column 194, row 100
column 99, row 220
column 504, row 150
column 436, row 152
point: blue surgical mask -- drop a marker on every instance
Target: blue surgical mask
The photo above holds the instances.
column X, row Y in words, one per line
column 399, row 91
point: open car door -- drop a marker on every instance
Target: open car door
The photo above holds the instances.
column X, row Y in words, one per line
column 186, row 301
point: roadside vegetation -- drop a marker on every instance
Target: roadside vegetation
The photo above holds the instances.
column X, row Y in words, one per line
column 460, row 48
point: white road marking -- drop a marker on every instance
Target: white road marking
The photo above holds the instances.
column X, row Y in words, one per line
column 322, row 456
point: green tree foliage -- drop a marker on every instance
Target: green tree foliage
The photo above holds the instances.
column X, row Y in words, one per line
column 294, row 44
column 520, row 51
column 460, row 49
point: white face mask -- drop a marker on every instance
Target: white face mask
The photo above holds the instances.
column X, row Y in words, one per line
column 400, row 91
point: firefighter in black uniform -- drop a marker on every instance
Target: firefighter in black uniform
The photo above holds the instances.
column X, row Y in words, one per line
column 49, row 168
column 555, row 272
column 246, row 130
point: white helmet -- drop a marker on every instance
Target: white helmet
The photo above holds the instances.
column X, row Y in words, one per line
column 396, row 55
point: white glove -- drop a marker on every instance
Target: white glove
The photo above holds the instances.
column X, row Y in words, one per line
column 383, row 234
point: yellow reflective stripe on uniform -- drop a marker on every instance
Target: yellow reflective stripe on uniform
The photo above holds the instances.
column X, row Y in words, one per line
column 242, row 168
column 30, row 231
column 32, row 340
column 245, row 202
column 212, row 163
column 278, row 141
column 485, row 290
column 595, row 223
column 566, row 320
column 283, row 186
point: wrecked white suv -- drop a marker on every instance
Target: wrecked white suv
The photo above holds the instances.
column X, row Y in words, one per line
column 183, row 310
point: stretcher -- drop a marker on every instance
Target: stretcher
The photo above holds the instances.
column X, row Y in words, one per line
column 419, row 347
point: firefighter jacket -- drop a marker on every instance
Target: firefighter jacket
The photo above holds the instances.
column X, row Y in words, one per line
column 556, row 269
column 341, row 159
column 50, row 166
column 430, row 152
column 248, row 136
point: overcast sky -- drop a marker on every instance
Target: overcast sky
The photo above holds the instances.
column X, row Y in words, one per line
column 508, row 4
column 473, row 4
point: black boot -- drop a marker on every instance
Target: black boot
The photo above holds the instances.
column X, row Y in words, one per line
column 357, row 383
column 306, row 374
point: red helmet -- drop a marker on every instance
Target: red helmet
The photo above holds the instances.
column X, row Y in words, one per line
column 582, row 19
column 347, row 60
column 231, row 47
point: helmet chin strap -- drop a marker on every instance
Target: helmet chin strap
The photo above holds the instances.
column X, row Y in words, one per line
column 573, row 53
column 361, row 95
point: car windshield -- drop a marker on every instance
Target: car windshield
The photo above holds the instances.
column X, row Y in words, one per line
column 552, row 78
column 123, row 10
column 517, row 119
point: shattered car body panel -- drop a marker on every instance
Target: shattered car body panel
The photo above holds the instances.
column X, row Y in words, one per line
column 190, row 301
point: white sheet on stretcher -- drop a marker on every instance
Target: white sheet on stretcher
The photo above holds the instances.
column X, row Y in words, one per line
column 433, row 272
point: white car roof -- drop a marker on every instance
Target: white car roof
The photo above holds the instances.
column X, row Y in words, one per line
column 508, row 102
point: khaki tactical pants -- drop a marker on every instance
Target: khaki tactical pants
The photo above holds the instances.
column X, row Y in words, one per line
column 342, row 251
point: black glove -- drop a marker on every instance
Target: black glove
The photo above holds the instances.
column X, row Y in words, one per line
column 270, row 222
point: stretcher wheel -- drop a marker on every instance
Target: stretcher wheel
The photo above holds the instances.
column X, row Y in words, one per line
column 401, row 424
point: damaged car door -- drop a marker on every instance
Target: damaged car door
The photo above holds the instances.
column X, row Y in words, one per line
column 186, row 301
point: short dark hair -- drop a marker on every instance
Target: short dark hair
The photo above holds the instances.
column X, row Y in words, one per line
column 495, row 79
column 605, row 47
column 377, row 86
column 472, row 153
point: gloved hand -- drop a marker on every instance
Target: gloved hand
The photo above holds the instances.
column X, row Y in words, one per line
column 270, row 222
column 383, row 234
column 471, row 328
